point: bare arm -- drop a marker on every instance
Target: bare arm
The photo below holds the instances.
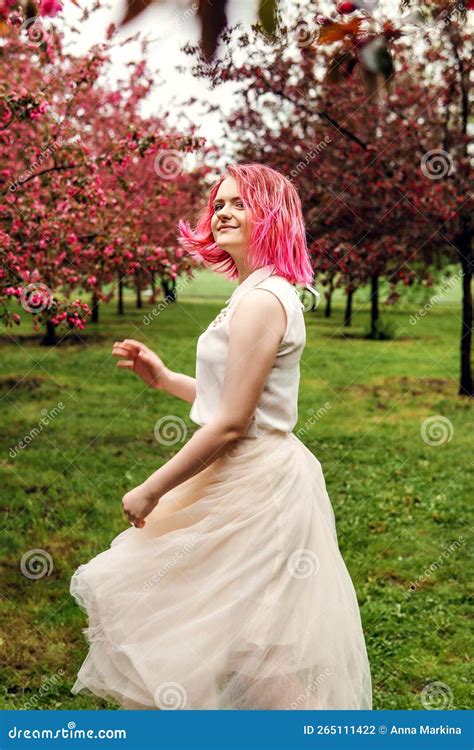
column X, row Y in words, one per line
column 136, row 356
column 179, row 385
column 256, row 330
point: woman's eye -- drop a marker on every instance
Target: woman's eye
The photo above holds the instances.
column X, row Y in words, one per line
column 239, row 204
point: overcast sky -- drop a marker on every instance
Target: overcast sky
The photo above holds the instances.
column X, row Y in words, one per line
column 172, row 24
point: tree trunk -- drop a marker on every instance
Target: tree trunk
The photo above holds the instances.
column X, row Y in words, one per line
column 327, row 312
column 49, row 338
column 374, row 306
column 463, row 241
column 464, row 248
column 95, row 308
column 138, row 287
column 153, row 287
column 120, row 294
column 348, row 310
column 169, row 289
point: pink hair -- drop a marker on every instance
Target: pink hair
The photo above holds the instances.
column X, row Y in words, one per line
column 278, row 235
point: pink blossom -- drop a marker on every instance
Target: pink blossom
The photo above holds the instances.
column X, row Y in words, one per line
column 50, row 8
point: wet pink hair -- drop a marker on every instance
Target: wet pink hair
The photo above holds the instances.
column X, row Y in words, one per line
column 278, row 235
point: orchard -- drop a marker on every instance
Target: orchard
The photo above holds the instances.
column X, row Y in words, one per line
column 116, row 122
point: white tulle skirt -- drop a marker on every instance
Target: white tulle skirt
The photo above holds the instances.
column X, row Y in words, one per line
column 233, row 596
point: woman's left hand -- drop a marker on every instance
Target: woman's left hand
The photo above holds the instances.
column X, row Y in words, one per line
column 137, row 505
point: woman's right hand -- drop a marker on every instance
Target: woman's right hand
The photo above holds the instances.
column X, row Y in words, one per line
column 143, row 361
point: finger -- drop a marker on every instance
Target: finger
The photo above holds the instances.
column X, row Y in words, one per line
column 126, row 363
column 137, row 522
column 136, row 345
column 125, row 351
column 120, row 351
column 120, row 348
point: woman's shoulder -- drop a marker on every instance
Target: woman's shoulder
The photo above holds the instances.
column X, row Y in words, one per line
column 283, row 288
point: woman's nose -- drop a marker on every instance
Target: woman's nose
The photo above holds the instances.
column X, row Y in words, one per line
column 223, row 212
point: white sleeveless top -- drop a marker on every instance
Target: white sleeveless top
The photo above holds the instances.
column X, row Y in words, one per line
column 278, row 405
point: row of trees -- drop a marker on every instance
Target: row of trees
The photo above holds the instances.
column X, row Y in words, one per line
column 91, row 189
column 375, row 138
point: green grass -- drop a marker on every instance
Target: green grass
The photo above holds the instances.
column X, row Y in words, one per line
column 398, row 501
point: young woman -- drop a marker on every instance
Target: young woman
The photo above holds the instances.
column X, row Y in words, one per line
column 230, row 591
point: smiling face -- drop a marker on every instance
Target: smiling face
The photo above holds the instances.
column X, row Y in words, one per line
column 229, row 224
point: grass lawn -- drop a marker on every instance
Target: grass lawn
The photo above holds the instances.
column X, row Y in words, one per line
column 401, row 504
